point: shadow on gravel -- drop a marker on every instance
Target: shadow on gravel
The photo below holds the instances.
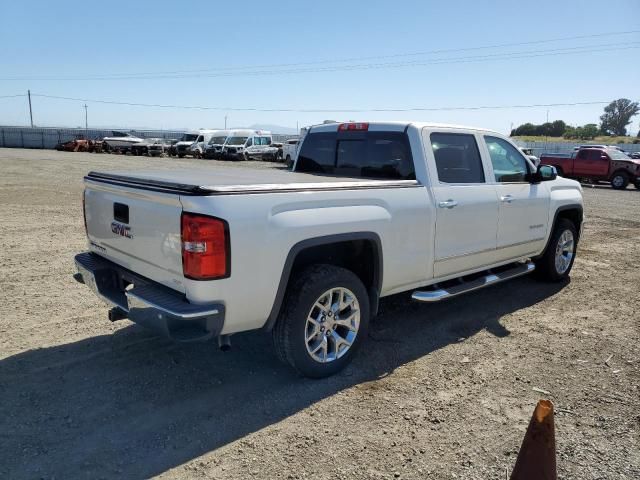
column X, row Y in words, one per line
column 130, row 405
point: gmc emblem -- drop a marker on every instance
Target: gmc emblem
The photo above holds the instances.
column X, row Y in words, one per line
column 122, row 230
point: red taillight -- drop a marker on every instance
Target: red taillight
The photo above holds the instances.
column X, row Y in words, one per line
column 344, row 127
column 205, row 247
column 84, row 212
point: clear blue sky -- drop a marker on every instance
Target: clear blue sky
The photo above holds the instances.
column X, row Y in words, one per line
column 81, row 39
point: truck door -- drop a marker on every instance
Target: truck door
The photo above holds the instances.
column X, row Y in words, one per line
column 466, row 205
column 599, row 163
column 524, row 207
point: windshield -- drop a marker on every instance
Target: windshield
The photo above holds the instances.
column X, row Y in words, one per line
column 188, row 137
column 237, row 140
column 617, row 154
column 217, row 140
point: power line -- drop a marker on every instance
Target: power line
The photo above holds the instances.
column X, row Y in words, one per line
column 14, row 96
column 163, row 74
column 440, row 61
column 323, row 110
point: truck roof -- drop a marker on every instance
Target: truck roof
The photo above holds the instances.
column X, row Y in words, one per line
column 394, row 126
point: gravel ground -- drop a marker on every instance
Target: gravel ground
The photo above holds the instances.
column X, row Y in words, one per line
column 438, row 391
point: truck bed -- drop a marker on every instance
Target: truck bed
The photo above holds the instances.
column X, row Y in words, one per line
column 232, row 180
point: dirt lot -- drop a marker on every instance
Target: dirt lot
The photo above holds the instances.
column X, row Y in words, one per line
column 439, row 391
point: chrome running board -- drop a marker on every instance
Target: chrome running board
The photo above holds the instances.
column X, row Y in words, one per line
column 438, row 294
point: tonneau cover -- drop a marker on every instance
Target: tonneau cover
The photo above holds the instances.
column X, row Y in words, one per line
column 234, row 180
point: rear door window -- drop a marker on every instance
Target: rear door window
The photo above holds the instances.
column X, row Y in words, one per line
column 457, row 158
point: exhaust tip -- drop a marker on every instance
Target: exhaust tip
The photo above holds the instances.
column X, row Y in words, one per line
column 224, row 342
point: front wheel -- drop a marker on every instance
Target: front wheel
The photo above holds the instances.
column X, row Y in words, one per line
column 620, row 180
column 637, row 185
column 557, row 260
column 323, row 321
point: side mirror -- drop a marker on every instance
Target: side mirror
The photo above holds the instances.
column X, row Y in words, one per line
column 544, row 173
column 604, row 157
column 547, row 172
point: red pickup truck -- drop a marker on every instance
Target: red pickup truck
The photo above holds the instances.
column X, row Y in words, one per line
column 596, row 163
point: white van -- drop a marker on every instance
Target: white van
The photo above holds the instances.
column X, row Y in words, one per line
column 213, row 149
column 195, row 138
column 247, row 144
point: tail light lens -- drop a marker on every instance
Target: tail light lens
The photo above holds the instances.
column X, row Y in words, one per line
column 205, row 247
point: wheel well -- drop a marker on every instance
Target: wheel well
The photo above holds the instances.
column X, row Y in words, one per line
column 359, row 256
column 622, row 171
column 362, row 256
column 574, row 215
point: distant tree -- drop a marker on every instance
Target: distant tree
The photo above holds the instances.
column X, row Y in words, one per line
column 589, row 131
column 551, row 129
column 526, row 129
column 570, row 132
column 617, row 115
column 557, row 128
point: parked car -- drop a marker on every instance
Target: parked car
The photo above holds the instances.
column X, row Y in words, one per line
column 162, row 146
column 247, row 144
column 635, row 155
column 120, row 141
column 597, row 164
column 142, row 148
column 213, row 150
column 76, row 145
column 202, row 253
column 290, row 150
column 193, row 143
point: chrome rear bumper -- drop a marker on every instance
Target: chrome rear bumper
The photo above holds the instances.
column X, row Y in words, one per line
column 147, row 302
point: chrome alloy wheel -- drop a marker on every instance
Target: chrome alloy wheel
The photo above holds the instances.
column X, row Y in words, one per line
column 564, row 251
column 332, row 325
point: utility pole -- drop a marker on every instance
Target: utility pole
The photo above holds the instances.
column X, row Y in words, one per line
column 86, row 123
column 225, row 122
column 30, row 111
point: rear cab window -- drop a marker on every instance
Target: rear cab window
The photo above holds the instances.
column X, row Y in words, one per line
column 367, row 154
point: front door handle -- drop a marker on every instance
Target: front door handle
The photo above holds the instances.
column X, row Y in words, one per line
column 507, row 198
column 448, row 204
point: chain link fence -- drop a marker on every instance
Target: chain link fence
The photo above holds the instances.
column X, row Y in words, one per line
column 48, row 138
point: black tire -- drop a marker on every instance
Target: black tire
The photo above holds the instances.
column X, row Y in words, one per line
column 637, row 185
column 546, row 268
column 289, row 331
column 246, row 157
column 619, row 180
column 181, row 155
column 106, row 148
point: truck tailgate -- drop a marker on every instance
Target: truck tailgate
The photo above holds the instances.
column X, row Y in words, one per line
column 137, row 229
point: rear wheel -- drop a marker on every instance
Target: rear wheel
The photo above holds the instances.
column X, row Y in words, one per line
column 620, row 180
column 323, row 321
column 557, row 260
column 637, row 185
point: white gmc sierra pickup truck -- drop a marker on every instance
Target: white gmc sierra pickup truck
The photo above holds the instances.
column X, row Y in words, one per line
column 370, row 210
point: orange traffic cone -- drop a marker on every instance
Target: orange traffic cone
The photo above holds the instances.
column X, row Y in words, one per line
column 537, row 457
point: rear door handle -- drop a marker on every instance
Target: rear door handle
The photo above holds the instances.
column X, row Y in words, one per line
column 448, row 204
column 507, row 198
